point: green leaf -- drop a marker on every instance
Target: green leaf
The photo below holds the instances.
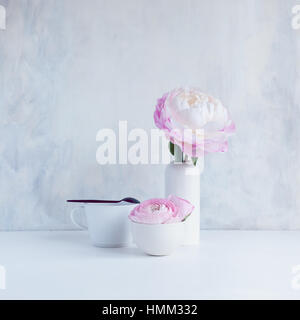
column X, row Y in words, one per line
column 171, row 148
column 194, row 160
column 186, row 217
column 178, row 154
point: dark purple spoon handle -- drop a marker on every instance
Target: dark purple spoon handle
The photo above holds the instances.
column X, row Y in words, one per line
column 128, row 199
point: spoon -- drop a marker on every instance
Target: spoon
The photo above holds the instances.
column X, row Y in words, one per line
column 127, row 199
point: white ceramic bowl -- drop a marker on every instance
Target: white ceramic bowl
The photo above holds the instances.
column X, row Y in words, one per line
column 158, row 239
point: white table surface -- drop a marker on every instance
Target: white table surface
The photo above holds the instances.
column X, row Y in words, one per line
column 226, row 265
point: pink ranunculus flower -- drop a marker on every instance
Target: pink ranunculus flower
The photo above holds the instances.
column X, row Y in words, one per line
column 158, row 211
column 195, row 121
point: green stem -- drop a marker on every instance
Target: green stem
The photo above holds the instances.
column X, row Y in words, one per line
column 194, row 160
column 178, row 154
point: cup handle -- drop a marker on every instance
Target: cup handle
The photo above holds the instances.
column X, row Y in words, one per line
column 73, row 218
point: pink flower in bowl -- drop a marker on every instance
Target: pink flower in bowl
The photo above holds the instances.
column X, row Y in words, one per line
column 157, row 224
column 161, row 211
column 196, row 122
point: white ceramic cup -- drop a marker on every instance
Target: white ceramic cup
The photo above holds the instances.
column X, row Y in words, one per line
column 107, row 223
column 158, row 239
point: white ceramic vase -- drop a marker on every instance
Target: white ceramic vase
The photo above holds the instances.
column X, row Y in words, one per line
column 183, row 180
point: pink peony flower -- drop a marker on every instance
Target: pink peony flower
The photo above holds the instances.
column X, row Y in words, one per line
column 157, row 211
column 197, row 122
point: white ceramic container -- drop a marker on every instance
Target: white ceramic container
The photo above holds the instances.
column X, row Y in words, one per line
column 183, row 180
column 108, row 223
column 157, row 239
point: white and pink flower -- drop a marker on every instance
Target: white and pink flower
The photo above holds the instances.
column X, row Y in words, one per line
column 160, row 211
column 195, row 121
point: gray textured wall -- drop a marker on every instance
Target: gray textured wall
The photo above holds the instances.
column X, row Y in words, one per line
column 69, row 68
